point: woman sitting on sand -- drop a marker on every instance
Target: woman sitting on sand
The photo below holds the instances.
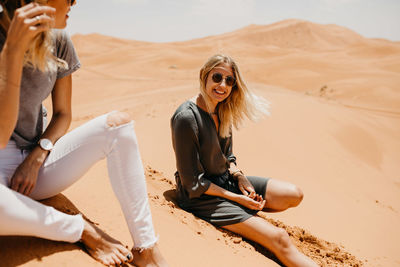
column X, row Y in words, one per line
column 209, row 182
column 35, row 61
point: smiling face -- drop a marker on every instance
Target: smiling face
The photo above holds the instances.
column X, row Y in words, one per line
column 62, row 8
column 219, row 91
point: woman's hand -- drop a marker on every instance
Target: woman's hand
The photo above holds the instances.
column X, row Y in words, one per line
column 257, row 203
column 245, row 186
column 25, row 176
column 28, row 21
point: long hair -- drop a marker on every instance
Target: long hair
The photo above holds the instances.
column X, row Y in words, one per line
column 239, row 104
column 40, row 53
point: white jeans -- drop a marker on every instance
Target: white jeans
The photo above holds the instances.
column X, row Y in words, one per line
column 70, row 158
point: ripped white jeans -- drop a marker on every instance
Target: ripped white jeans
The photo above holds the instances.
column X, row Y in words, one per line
column 71, row 157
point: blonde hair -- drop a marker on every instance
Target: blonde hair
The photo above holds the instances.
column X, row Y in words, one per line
column 40, row 53
column 240, row 103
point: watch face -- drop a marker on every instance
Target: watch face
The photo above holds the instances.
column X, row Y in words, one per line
column 46, row 144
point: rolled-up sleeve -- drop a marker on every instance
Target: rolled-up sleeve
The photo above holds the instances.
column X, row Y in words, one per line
column 186, row 145
column 66, row 52
column 228, row 153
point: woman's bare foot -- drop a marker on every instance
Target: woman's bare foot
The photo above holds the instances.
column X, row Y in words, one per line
column 103, row 247
column 150, row 257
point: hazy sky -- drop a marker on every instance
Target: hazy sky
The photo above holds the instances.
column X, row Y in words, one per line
column 177, row 20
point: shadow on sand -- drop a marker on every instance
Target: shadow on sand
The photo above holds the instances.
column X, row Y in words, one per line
column 18, row 250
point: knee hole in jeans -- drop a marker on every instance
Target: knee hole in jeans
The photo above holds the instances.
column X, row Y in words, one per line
column 118, row 118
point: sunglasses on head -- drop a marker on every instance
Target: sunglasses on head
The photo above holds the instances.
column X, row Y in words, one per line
column 218, row 77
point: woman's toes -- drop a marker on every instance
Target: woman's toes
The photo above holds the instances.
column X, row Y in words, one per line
column 112, row 260
column 124, row 254
column 117, row 260
column 121, row 257
column 105, row 261
column 129, row 257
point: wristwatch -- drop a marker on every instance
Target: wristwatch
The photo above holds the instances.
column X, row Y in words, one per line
column 46, row 144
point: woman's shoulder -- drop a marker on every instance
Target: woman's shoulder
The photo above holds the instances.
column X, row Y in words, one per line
column 184, row 116
column 62, row 40
column 60, row 35
column 65, row 50
column 184, row 111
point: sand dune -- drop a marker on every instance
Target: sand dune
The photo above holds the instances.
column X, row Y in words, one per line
column 334, row 130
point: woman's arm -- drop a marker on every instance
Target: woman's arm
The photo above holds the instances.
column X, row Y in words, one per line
column 62, row 112
column 23, row 28
column 11, row 63
column 244, row 185
column 24, row 178
column 61, row 118
column 186, row 146
column 257, row 203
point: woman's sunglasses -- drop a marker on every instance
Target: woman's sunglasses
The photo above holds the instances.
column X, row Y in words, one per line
column 218, row 77
column 71, row 2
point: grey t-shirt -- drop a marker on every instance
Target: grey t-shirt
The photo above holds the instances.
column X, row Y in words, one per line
column 36, row 87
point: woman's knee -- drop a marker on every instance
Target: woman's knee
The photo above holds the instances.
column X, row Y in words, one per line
column 124, row 135
column 282, row 241
column 298, row 196
column 118, row 118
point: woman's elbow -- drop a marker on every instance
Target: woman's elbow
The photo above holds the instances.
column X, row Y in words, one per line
column 5, row 135
column 66, row 117
column 198, row 190
column 3, row 141
column 193, row 191
column 193, row 194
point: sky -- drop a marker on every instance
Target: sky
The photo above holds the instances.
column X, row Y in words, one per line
column 180, row 20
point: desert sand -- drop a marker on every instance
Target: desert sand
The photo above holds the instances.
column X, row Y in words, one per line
column 334, row 131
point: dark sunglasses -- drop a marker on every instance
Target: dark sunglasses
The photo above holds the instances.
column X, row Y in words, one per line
column 218, row 77
column 71, row 2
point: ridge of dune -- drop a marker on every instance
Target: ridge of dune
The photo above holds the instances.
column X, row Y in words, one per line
column 295, row 34
column 290, row 33
column 94, row 44
column 102, row 39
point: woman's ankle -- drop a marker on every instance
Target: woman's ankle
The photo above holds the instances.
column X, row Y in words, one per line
column 148, row 256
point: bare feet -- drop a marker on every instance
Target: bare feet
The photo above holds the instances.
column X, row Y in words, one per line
column 103, row 247
column 150, row 257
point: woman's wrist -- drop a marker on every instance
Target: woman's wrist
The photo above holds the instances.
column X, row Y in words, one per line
column 236, row 173
column 13, row 60
column 232, row 196
column 215, row 190
column 37, row 157
column 13, row 52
